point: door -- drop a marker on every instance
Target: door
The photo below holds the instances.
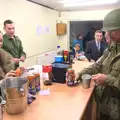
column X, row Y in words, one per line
column 83, row 28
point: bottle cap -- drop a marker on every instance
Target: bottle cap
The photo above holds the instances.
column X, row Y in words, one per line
column 58, row 46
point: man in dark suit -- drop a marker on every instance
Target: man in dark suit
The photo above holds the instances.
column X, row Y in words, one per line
column 95, row 48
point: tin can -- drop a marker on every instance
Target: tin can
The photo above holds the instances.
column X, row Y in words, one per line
column 70, row 75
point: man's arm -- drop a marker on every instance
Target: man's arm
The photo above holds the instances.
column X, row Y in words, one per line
column 112, row 83
column 95, row 68
column 88, row 51
column 6, row 61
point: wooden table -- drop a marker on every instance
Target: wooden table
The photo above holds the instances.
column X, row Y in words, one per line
column 63, row 103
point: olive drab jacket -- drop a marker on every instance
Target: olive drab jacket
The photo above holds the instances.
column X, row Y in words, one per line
column 108, row 95
column 13, row 46
column 6, row 63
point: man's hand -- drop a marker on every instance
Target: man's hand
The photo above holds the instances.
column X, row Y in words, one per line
column 16, row 60
column 99, row 78
column 11, row 74
column 22, row 59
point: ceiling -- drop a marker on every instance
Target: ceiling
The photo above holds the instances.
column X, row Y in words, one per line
column 60, row 6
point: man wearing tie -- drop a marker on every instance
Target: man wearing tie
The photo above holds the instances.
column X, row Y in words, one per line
column 95, row 48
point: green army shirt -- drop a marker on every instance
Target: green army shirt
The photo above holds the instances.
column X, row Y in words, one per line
column 108, row 95
column 13, row 46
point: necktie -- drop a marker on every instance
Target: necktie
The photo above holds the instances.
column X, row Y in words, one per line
column 98, row 46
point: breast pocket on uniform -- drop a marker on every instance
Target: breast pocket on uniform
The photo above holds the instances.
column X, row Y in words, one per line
column 115, row 69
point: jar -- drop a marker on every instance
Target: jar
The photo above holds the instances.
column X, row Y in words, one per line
column 37, row 81
column 70, row 77
column 32, row 84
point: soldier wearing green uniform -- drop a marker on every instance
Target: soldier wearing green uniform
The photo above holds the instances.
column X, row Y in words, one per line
column 106, row 71
column 6, row 64
column 12, row 44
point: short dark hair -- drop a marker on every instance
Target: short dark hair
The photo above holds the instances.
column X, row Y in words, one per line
column 98, row 31
column 8, row 22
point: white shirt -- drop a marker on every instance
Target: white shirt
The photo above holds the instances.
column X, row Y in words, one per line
column 98, row 44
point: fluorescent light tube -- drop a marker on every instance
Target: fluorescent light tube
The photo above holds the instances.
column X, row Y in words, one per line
column 90, row 3
column 71, row 1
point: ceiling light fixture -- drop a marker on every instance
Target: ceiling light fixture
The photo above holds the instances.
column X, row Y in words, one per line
column 71, row 1
column 90, row 3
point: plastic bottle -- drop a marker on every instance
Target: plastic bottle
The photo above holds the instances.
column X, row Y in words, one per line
column 59, row 50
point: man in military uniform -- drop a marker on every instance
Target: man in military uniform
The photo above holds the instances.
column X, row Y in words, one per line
column 12, row 44
column 106, row 71
column 6, row 64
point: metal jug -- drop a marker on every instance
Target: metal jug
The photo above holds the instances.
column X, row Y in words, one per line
column 15, row 92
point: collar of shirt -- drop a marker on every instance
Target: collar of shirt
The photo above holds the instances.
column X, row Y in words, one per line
column 11, row 38
column 97, row 42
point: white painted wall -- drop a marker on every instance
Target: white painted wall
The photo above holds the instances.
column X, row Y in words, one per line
column 79, row 16
column 27, row 16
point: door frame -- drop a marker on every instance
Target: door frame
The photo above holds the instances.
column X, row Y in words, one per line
column 68, row 29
